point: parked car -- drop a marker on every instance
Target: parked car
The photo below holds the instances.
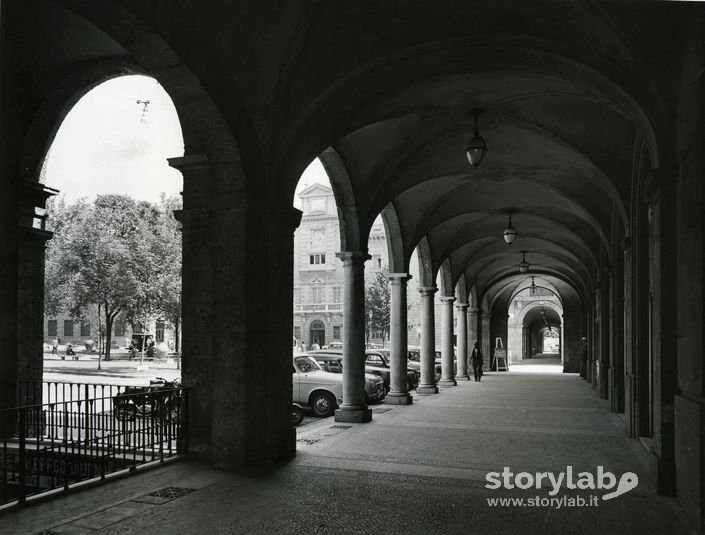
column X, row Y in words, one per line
column 312, row 387
column 414, row 354
column 335, row 344
column 333, row 363
column 378, row 361
column 297, row 414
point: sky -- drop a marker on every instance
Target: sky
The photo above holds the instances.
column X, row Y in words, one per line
column 109, row 143
column 314, row 173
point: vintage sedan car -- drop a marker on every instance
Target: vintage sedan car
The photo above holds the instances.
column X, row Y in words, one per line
column 377, row 361
column 374, row 385
column 312, row 387
column 414, row 354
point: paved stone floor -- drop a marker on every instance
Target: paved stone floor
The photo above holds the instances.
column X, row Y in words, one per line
column 414, row 469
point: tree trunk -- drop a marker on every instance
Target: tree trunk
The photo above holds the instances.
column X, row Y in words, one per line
column 100, row 339
column 108, row 333
column 177, row 331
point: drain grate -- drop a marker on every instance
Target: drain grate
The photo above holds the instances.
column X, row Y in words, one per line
column 48, row 532
column 171, row 493
column 340, row 426
column 380, row 411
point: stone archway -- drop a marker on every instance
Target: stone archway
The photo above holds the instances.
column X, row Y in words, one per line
column 317, row 333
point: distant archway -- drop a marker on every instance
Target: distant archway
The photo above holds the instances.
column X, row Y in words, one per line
column 530, row 318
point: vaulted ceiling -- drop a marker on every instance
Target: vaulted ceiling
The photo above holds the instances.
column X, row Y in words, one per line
column 576, row 97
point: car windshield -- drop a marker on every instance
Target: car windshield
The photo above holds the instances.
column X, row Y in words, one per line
column 306, row 364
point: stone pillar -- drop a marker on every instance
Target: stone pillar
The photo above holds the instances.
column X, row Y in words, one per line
column 462, row 357
column 689, row 398
column 30, row 282
column 447, row 372
column 473, row 334
column 398, row 331
column 353, row 408
column 485, row 333
column 237, row 273
column 427, row 384
column 630, row 386
column 571, row 347
column 197, row 303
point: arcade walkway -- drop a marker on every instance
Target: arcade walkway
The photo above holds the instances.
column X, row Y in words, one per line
column 416, row 469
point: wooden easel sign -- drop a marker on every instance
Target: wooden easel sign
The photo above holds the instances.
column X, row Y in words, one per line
column 500, row 356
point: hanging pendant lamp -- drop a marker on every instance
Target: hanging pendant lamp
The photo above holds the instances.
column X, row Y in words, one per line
column 510, row 233
column 524, row 265
column 476, row 149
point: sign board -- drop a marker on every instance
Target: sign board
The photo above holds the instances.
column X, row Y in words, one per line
column 500, row 359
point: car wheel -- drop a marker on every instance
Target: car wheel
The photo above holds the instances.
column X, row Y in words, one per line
column 297, row 415
column 323, row 404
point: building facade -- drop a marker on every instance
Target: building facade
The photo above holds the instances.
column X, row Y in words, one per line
column 318, row 272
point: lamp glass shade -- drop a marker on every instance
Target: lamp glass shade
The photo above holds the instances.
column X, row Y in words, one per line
column 510, row 234
column 476, row 150
column 523, row 267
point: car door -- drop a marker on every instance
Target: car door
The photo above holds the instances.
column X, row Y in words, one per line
column 374, row 363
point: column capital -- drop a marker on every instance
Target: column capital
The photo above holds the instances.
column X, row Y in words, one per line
column 394, row 277
column 486, row 315
column 188, row 163
column 428, row 290
column 447, row 299
column 353, row 257
column 462, row 306
column 473, row 310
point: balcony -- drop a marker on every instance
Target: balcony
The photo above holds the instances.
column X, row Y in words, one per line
column 318, row 307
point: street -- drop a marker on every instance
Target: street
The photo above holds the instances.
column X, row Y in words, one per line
column 119, row 371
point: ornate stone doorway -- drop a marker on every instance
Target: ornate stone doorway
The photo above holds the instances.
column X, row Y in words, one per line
column 317, row 333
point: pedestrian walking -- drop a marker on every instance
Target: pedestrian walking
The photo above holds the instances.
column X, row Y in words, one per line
column 476, row 360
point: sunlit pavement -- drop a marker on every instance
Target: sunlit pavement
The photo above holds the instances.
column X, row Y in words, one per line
column 542, row 363
column 414, row 469
column 117, row 372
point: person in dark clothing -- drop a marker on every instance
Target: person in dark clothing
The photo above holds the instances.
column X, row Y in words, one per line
column 476, row 360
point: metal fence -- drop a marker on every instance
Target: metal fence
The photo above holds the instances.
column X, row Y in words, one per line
column 81, row 432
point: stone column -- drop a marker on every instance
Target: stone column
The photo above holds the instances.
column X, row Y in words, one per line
column 447, row 373
column 462, row 357
column 398, row 331
column 485, row 333
column 427, row 384
column 353, row 408
column 32, row 238
column 197, row 302
column 473, row 334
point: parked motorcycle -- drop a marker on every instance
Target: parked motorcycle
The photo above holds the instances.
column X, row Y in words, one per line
column 161, row 399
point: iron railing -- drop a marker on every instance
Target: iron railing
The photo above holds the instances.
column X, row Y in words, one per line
column 81, row 432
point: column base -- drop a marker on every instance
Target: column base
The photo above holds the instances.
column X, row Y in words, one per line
column 462, row 378
column 423, row 390
column 445, row 383
column 400, row 398
column 354, row 416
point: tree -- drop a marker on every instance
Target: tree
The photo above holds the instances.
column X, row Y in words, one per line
column 158, row 293
column 115, row 255
column 378, row 302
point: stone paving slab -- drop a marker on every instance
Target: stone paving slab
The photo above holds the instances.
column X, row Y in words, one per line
column 414, row 469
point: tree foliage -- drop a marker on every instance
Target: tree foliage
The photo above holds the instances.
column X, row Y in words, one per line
column 116, row 255
column 378, row 301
